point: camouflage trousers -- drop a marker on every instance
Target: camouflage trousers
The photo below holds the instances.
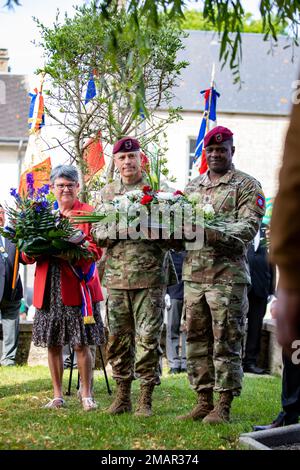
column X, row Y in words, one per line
column 135, row 321
column 215, row 321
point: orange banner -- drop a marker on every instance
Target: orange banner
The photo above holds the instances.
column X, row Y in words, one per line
column 94, row 157
column 41, row 174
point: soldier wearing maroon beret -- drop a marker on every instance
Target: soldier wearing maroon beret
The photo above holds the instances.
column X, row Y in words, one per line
column 135, row 277
column 216, row 279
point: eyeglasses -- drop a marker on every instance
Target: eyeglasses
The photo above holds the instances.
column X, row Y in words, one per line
column 69, row 187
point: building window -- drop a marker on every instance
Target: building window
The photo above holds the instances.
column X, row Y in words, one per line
column 192, row 148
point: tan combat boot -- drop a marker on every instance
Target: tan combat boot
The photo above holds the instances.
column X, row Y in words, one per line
column 122, row 401
column 203, row 408
column 221, row 412
column 144, row 406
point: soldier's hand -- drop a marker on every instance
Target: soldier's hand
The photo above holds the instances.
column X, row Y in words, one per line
column 210, row 236
column 189, row 232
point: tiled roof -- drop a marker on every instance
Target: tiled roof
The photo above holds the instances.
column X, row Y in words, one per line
column 14, row 106
column 267, row 76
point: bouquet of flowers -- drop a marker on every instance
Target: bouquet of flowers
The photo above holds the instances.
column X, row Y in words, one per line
column 144, row 207
column 37, row 228
column 151, row 214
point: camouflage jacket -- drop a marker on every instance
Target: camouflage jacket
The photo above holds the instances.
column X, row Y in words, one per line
column 223, row 258
column 131, row 264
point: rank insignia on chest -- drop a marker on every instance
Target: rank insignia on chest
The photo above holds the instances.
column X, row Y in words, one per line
column 260, row 201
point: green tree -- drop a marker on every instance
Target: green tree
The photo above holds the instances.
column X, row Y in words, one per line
column 225, row 16
column 132, row 81
column 193, row 19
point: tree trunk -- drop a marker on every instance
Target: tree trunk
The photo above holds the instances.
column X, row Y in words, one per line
column 83, row 188
column 110, row 171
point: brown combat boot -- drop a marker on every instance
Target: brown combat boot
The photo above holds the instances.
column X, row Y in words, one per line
column 221, row 412
column 122, row 401
column 144, row 406
column 203, row 408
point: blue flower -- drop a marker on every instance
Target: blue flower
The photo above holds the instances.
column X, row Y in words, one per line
column 43, row 190
column 15, row 194
column 29, row 178
column 9, row 230
column 30, row 184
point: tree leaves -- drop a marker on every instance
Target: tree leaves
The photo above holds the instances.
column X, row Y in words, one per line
column 227, row 17
column 135, row 69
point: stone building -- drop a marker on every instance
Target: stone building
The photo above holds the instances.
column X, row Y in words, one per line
column 257, row 112
column 14, row 106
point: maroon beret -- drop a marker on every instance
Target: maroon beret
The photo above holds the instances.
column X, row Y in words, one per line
column 126, row 144
column 217, row 135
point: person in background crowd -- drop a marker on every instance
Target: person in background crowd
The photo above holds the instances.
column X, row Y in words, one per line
column 285, row 236
column 262, row 288
column 67, row 357
column 10, row 299
column 23, row 310
column 58, row 297
column 175, row 338
column 290, row 394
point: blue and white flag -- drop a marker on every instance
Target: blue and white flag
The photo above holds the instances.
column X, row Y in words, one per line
column 209, row 114
column 209, row 120
column 91, row 91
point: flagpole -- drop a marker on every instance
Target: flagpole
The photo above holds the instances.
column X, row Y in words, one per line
column 15, row 269
column 210, row 96
column 42, row 74
column 212, row 82
column 203, row 162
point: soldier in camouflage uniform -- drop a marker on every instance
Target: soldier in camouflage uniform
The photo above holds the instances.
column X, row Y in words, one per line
column 136, row 276
column 216, row 279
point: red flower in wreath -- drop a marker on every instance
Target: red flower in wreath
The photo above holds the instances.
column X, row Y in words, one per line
column 178, row 193
column 146, row 199
column 147, row 189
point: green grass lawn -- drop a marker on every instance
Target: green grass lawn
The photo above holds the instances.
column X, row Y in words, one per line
column 25, row 425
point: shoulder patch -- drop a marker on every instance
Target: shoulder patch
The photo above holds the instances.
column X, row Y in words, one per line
column 260, row 201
